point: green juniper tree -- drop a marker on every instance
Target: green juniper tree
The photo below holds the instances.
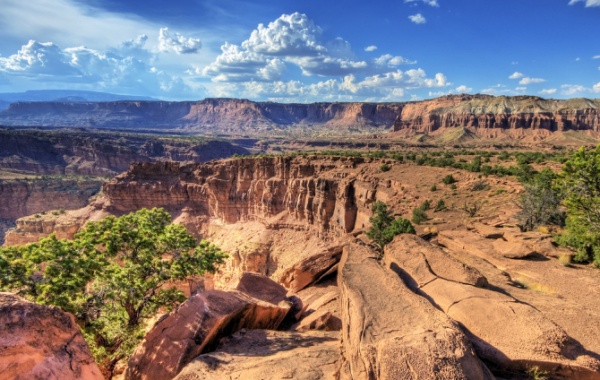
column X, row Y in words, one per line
column 113, row 276
column 580, row 185
column 384, row 227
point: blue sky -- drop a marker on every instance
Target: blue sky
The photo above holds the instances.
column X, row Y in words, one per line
column 303, row 50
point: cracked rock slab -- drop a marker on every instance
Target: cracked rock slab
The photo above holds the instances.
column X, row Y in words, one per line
column 503, row 330
column 41, row 342
column 196, row 327
column 269, row 355
column 389, row 332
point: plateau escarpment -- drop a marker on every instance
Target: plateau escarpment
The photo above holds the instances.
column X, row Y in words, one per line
column 217, row 116
column 489, row 112
column 483, row 113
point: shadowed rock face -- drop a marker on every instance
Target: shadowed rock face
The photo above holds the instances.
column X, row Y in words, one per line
column 41, row 342
column 101, row 154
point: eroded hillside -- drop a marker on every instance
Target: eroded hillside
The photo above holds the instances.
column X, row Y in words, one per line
column 478, row 299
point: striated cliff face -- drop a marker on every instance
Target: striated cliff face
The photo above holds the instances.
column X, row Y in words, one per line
column 319, row 193
column 25, row 197
column 483, row 111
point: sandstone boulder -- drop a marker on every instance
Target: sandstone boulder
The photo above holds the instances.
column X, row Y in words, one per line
column 535, row 242
column 461, row 240
column 41, row 342
column 487, row 231
column 268, row 355
column 322, row 314
column 389, row 332
column 513, row 249
column 504, row 331
column 196, row 327
column 259, row 286
column 320, row 320
column 311, row 269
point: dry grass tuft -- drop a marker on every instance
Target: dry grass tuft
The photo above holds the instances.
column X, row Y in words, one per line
column 529, row 284
column 565, row 259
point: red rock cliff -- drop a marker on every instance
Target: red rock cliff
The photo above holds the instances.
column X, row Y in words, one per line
column 317, row 192
column 483, row 111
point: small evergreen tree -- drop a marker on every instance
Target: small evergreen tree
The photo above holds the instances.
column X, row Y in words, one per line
column 580, row 185
column 539, row 203
column 114, row 276
column 384, row 227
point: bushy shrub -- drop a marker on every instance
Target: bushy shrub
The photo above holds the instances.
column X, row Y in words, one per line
column 440, row 206
column 448, row 180
column 384, row 227
column 419, row 215
column 539, row 204
column 479, row 186
column 471, row 208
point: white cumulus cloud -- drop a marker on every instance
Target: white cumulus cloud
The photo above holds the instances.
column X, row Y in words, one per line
column 548, row 91
column 289, row 35
column 261, row 66
column 527, row 80
column 418, row 19
column 177, row 43
column 596, row 87
column 572, row 89
column 432, row 3
column 516, row 75
column 392, row 61
column 464, row 89
column 588, row 3
column 39, row 58
column 94, row 69
column 236, row 64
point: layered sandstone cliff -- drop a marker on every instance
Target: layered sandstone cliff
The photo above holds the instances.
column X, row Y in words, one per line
column 40, row 197
column 317, row 193
column 26, row 197
column 488, row 112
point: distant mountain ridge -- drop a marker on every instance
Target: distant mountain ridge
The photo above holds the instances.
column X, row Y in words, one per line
column 6, row 98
